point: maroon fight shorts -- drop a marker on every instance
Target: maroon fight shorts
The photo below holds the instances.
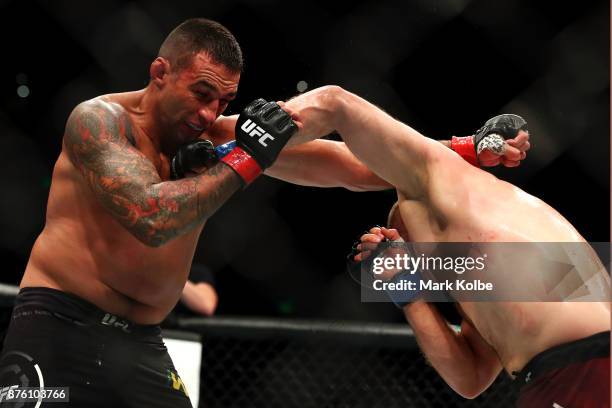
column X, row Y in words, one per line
column 575, row 374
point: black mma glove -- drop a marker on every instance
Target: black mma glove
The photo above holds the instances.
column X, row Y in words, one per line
column 262, row 130
column 506, row 125
column 191, row 156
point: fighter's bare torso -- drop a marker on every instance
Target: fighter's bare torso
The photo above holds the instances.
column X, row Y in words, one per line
column 486, row 209
column 85, row 251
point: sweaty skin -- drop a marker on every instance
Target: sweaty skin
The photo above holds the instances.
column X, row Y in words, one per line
column 441, row 198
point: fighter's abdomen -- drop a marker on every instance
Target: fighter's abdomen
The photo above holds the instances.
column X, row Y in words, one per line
column 85, row 251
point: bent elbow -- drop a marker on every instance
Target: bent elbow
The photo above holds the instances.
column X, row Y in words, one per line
column 356, row 189
column 471, row 393
column 147, row 233
column 153, row 242
column 472, row 389
column 364, row 187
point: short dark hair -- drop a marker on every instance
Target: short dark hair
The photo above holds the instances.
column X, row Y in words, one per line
column 199, row 34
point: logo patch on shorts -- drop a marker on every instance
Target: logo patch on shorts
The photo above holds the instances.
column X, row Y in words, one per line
column 114, row 321
column 174, row 380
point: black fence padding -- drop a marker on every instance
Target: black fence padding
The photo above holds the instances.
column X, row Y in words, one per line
column 287, row 363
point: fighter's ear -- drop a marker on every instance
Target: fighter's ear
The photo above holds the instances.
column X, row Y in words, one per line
column 159, row 70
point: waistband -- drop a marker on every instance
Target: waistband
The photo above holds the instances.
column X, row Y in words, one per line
column 563, row 355
column 67, row 306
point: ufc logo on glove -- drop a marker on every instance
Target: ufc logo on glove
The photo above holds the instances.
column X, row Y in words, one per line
column 258, row 146
column 253, row 130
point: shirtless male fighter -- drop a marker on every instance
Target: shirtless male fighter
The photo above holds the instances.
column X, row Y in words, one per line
column 119, row 238
column 562, row 350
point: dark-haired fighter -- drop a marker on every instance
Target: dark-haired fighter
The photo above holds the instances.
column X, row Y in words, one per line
column 119, row 237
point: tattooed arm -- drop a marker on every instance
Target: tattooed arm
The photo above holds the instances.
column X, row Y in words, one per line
column 97, row 140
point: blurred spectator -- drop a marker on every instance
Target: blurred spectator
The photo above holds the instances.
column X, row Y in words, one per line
column 199, row 296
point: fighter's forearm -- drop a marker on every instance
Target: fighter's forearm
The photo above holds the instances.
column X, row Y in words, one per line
column 447, row 351
column 325, row 163
column 157, row 212
column 171, row 208
column 445, row 143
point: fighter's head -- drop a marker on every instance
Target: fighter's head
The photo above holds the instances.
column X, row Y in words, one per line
column 194, row 77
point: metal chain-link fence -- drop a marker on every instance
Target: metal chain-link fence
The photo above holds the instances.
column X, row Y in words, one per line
column 276, row 363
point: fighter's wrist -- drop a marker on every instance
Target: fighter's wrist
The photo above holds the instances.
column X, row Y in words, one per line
column 224, row 149
column 402, row 297
column 243, row 164
column 464, row 146
column 446, row 143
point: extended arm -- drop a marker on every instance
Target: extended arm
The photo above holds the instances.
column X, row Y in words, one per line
column 325, row 163
column 97, row 140
column 392, row 150
column 319, row 163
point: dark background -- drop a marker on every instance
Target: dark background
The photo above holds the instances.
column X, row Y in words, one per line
column 442, row 66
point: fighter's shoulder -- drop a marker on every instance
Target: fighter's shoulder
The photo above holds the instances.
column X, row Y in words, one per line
column 102, row 119
column 103, row 104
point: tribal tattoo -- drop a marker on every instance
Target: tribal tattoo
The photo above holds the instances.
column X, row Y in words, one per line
column 100, row 141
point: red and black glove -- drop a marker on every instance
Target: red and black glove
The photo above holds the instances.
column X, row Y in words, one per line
column 262, row 130
column 506, row 125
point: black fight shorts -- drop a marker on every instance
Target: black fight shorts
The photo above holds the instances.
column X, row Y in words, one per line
column 56, row 339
